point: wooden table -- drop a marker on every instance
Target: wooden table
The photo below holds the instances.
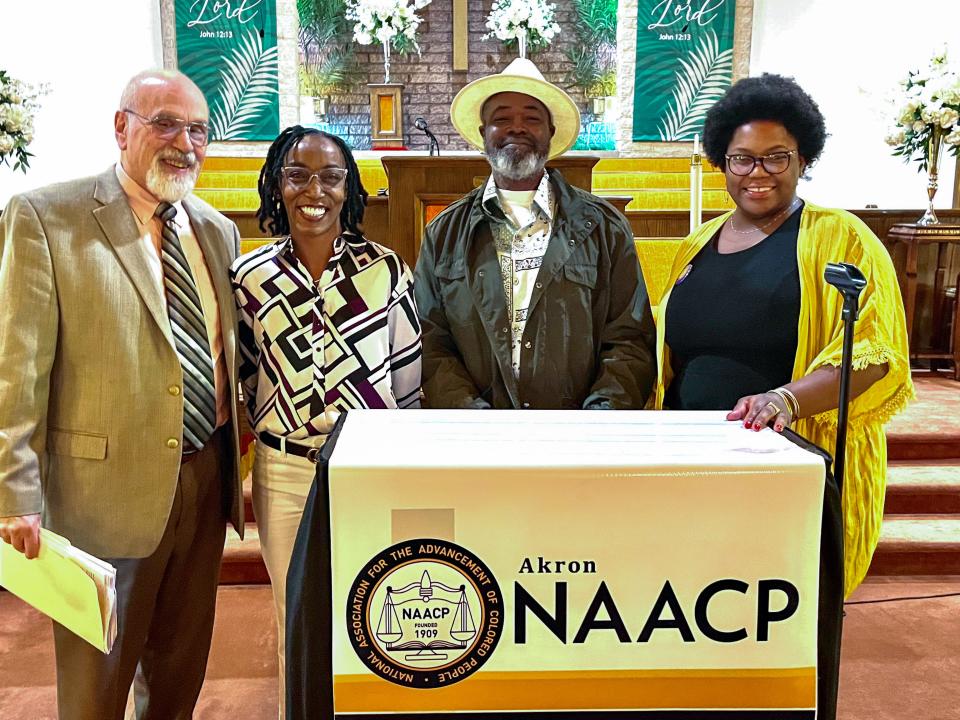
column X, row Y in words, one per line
column 913, row 236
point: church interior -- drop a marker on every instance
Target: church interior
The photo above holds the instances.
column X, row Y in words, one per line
column 901, row 649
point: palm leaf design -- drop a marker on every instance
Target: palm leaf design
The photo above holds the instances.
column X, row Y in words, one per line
column 248, row 83
column 703, row 78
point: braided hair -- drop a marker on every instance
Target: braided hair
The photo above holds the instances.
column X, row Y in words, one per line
column 272, row 213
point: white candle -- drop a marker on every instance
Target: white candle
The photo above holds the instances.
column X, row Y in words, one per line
column 696, row 186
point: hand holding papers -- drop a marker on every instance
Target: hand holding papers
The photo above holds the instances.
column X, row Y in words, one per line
column 68, row 585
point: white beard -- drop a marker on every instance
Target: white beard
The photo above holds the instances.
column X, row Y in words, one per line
column 516, row 164
column 167, row 188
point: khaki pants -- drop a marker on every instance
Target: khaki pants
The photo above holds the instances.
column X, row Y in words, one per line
column 281, row 483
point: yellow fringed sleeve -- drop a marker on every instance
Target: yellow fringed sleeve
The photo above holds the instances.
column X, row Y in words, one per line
column 880, row 337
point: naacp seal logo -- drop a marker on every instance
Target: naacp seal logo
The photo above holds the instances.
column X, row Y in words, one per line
column 424, row 613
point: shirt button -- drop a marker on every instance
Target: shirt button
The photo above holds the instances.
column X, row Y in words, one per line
column 528, row 344
column 174, row 390
column 173, row 443
column 526, row 406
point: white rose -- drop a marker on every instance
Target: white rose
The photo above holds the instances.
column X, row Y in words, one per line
column 14, row 118
column 919, row 127
column 361, row 36
column 385, row 34
column 948, row 117
column 954, row 137
column 895, row 137
column 7, row 143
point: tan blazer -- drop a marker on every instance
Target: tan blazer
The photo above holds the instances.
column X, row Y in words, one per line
column 89, row 378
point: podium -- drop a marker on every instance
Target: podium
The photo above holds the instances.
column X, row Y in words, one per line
column 565, row 562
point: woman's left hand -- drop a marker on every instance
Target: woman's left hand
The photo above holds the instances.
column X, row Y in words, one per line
column 758, row 411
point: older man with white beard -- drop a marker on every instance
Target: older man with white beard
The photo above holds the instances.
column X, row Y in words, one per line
column 117, row 397
column 529, row 290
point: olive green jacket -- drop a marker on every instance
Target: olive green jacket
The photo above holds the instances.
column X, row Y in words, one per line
column 589, row 338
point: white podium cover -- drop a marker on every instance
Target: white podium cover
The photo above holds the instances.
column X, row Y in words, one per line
column 512, row 561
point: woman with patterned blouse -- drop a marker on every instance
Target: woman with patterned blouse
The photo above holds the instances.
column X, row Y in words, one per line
column 327, row 324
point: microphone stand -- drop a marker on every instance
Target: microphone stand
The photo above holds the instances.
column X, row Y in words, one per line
column 421, row 124
column 847, row 279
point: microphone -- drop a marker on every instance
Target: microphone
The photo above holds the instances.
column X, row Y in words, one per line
column 421, row 124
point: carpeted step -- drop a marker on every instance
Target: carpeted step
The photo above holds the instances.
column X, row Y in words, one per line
column 918, row 545
column 928, row 487
column 929, row 429
column 242, row 562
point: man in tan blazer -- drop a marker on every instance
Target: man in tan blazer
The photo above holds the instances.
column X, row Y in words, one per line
column 117, row 396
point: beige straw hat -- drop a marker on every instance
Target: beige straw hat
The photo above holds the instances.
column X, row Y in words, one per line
column 520, row 76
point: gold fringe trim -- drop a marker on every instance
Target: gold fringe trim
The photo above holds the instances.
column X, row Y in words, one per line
column 881, row 415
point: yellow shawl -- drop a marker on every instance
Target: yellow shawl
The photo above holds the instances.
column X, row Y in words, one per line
column 880, row 337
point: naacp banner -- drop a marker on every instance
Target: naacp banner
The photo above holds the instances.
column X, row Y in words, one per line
column 684, row 64
column 572, row 561
column 229, row 49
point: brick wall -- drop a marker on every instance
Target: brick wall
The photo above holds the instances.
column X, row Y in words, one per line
column 429, row 82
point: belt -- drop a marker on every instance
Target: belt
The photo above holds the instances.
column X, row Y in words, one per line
column 294, row 448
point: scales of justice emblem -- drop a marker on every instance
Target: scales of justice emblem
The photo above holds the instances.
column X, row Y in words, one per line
column 426, row 621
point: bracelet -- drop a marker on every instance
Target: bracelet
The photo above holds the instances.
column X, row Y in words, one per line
column 789, row 399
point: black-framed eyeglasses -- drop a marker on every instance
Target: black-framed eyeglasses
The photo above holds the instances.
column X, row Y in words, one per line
column 167, row 127
column 300, row 177
column 774, row 163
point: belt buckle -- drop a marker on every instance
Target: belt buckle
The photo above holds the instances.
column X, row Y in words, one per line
column 313, row 455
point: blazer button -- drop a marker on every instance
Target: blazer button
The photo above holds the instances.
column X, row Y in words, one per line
column 589, row 224
column 539, row 285
column 480, row 273
column 504, row 330
column 174, row 390
column 528, row 344
column 571, row 243
column 173, row 443
column 526, row 406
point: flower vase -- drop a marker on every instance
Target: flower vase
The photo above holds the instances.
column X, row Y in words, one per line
column 386, row 62
column 933, row 162
column 522, row 42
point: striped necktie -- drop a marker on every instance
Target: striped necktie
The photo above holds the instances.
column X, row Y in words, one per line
column 189, row 335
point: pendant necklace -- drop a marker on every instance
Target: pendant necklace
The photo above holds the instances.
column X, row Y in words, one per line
column 786, row 211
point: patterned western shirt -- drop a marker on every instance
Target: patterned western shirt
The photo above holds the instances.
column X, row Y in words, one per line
column 520, row 251
column 312, row 349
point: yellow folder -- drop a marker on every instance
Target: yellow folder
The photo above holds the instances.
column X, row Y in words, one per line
column 66, row 584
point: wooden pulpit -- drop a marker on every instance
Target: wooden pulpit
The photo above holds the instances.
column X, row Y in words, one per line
column 421, row 186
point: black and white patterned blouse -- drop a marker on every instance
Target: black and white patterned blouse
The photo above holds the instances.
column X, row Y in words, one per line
column 311, row 349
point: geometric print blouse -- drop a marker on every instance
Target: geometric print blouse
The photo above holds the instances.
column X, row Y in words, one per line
column 351, row 340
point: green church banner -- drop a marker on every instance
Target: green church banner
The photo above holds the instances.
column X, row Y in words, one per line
column 229, row 49
column 684, row 65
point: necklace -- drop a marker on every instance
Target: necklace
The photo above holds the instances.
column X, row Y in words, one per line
column 761, row 228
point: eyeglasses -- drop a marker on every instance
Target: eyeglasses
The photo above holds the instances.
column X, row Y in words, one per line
column 167, row 128
column 774, row 163
column 300, row 178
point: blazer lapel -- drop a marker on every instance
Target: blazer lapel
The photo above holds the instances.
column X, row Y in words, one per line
column 120, row 229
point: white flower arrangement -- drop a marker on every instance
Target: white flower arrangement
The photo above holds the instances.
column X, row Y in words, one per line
column 927, row 108
column 17, row 107
column 384, row 22
column 512, row 19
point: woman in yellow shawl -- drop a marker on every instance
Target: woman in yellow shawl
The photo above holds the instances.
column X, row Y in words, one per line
column 748, row 322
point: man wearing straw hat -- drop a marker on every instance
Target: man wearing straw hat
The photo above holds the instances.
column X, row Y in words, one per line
column 529, row 289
